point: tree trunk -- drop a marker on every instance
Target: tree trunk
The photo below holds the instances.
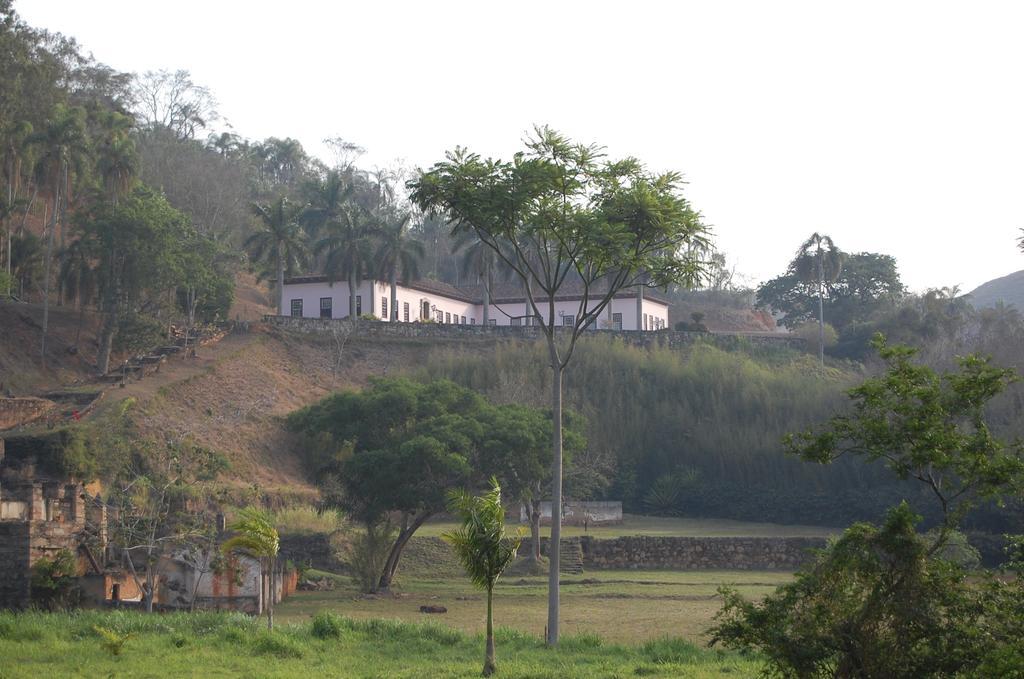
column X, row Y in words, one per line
column 271, row 593
column 821, row 315
column 556, row 494
column 394, row 295
column 280, row 281
column 352, row 295
column 640, row 307
column 489, row 665
column 534, row 509
column 46, row 279
column 149, row 591
column 106, row 339
column 391, row 565
column 487, row 294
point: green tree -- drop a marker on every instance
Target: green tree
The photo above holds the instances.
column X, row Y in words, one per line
column 559, row 214
column 139, row 246
column 819, row 260
column 483, row 548
column 279, row 241
column 867, row 284
column 436, row 436
column 348, row 249
column 258, row 538
column 885, row 601
column 63, row 145
column 398, row 255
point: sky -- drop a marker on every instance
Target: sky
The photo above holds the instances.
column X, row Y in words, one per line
column 893, row 127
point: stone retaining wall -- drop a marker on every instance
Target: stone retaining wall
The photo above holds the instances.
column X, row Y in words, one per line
column 690, row 553
column 15, row 412
column 440, row 331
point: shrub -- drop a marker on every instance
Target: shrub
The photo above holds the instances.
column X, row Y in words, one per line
column 671, row 650
column 370, row 549
column 327, row 626
column 53, row 581
column 111, row 642
column 808, row 332
column 277, row 645
column 304, row 520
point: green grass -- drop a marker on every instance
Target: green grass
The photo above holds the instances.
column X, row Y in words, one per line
column 666, row 527
column 227, row 645
column 618, row 606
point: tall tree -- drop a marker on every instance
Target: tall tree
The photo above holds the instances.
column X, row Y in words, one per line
column 117, row 159
column 347, row 248
column 15, row 136
column 478, row 262
column 558, row 214
column 257, row 537
column 483, row 548
column 280, row 240
column 398, row 254
column 63, row 145
column 819, row 260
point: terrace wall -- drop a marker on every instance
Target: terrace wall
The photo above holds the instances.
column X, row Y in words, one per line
column 439, row 331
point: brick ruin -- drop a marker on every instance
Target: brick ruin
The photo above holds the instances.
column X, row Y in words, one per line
column 41, row 516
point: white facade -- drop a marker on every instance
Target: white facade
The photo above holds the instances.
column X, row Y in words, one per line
column 317, row 297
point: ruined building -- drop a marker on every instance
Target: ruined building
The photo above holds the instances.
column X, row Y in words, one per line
column 41, row 516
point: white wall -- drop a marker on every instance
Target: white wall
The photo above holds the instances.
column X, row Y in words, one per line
column 502, row 313
column 373, row 294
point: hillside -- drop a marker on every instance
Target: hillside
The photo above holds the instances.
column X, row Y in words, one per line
column 1007, row 289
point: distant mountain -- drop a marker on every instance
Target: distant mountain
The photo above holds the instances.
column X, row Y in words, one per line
column 1008, row 290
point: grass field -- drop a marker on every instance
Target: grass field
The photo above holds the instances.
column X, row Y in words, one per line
column 666, row 527
column 618, row 606
column 229, row 645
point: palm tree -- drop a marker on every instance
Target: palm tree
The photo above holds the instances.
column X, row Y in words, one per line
column 819, row 261
column 63, row 144
column 397, row 253
column 258, row 538
column 328, row 198
column 347, row 244
column 118, row 161
column 15, row 137
column 483, row 548
column 478, row 261
column 280, row 240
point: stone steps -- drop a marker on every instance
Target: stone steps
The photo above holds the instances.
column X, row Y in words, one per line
column 570, row 556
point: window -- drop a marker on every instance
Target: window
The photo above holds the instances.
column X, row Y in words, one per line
column 463, row 320
column 325, row 307
column 297, row 308
column 617, row 321
column 447, row 317
column 384, row 307
column 568, row 320
column 516, row 321
column 645, row 321
column 492, row 321
column 359, row 305
column 405, row 311
column 472, row 321
column 424, row 310
column 440, row 317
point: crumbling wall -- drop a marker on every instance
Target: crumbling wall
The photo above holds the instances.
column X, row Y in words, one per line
column 15, row 582
column 15, row 412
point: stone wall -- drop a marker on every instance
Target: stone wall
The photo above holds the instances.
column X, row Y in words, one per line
column 698, row 553
column 313, row 551
column 15, row 412
column 671, row 339
column 14, row 564
column 690, row 553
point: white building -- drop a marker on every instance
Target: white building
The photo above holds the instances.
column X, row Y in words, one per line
column 423, row 300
